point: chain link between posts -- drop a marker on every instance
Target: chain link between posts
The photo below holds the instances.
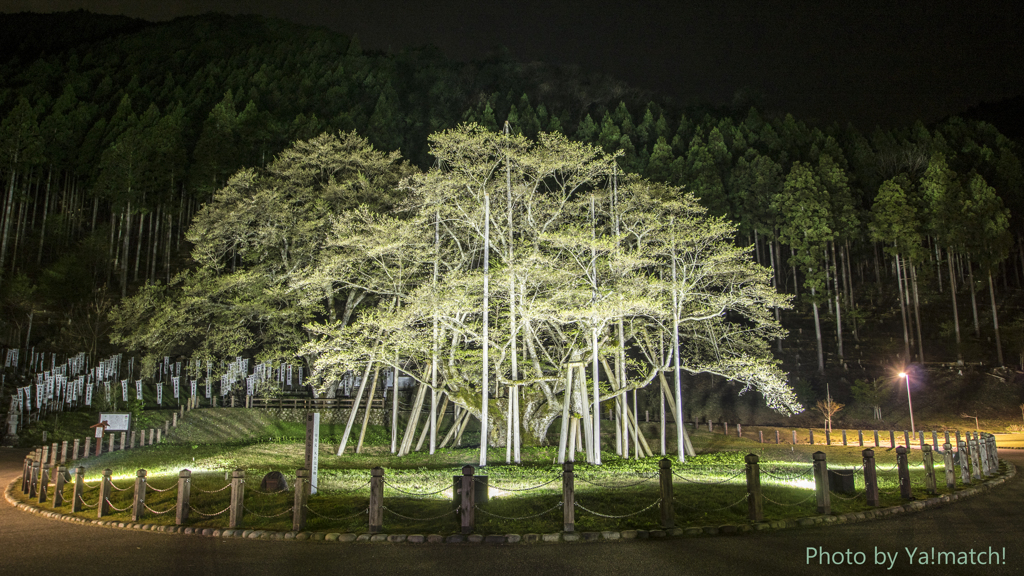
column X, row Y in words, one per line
column 548, row 511
column 723, row 481
column 788, row 505
column 115, row 508
column 742, row 499
column 225, row 487
column 258, row 515
column 159, row 513
column 359, row 513
column 641, row 511
column 85, row 504
column 193, row 509
column 611, row 486
column 506, row 489
column 393, row 487
column 452, row 511
column 808, row 472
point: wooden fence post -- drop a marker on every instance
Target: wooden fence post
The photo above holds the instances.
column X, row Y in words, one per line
column 237, row 498
column 74, row 450
column 376, row 499
column 777, row 439
column 64, row 452
column 947, row 464
column 139, row 505
column 921, row 434
column 824, row 499
column 870, row 477
column 794, row 437
column 184, row 505
column 935, row 440
column 972, row 449
column 906, row 440
column 44, row 481
column 965, row 467
column 844, row 438
column 760, row 436
column 876, row 438
column 76, row 496
column 668, row 513
column 103, row 506
column 811, row 434
column 53, row 455
column 983, row 456
column 468, row 493
column 26, row 473
column 739, row 430
column 904, row 472
column 111, row 447
column 88, row 444
column 993, row 454
column 33, row 480
column 725, row 428
column 124, row 437
column 58, row 486
column 755, row 508
column 892, row 439
column 302, row 489
column 828, row 437
column 860, row 438
column 568, row 498
column 929, row 468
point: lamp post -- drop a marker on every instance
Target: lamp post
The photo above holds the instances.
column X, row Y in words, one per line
column 906, row 376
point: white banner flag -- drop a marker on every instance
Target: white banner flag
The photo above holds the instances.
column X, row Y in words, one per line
column 159, row 394
column 124, row 390
column 138, row 389
column 88, row 394
column 174, row 385
column 193, row 387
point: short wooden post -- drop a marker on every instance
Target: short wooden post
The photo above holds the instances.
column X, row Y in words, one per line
column 844, row 437
column 821, row 483
column 53, row 455
column 468, row 493
column 139, row 505
column 76, row 496
column 26, row 474
column 152, row 436
column 302, row 489
column 860, row 438
column 184, row 505
column 755, row 507
column 760, row 436
column 778, row 440
column 935, row 440
column 921, row 434
column 870, row 477
column 44, row 481
column 33, row 480
column 983, row 456
column 906, row 440
column 739, row 430
column 993, row 454
column 929, row 468
column 167, row 427
column 947, row 436
column 568, row 498
column 131, row 440
column 972, row 449
column 111, row 447
column 376, row 499
column 158, row 431
column 710, row 425
column 828, row 437
column 88, row 444
column 794, row 437
column 237, row 498
column 103, row 506
column 892, row 439
column 904, row 472
column 811, row 434
column 174, row 419
column 64, row 452
column 74, row 450
column 876, row 438
column 124, row 438
column 947, row 464
column 965, row 467
column 668, row 513
column 58, row 486
column 232, row 400
column 725, row 428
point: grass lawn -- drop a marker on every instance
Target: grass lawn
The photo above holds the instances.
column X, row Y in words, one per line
column 709, row 489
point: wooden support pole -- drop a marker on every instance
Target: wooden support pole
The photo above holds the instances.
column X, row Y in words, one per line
column 139, row 504
column 26, row 474
column 755, row 507
column 972, row 449
column 870, row 477
column 237, row 498
column 302, row 490
column 844, row 438
column 876, row 438
column 903, row 470
column 983, row 457
column 568, row 497
column 184, row 505
column 468, row 495
column 892, row 439
column 376, row 500
column 811, row 434
column 103, row 506
column 823, row 497
column 668, row 513
column 929, row 468
column 76, row 496
column 64, row 453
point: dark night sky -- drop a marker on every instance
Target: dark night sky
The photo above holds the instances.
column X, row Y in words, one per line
column 869, row 62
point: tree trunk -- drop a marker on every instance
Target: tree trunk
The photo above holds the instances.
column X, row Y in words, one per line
column 7, row 216
column 974, row 300
column 995, row 319
column 903, row 311
column 917, row 313
column 839, row 312
column 366, row 411
column 46, row 212
column 956, row 313
column 817, row 333
column 354, row 409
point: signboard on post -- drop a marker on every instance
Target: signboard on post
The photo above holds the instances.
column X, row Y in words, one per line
column 116, row 421
column 312, row 447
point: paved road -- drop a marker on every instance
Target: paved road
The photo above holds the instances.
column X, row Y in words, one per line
column 30, row 544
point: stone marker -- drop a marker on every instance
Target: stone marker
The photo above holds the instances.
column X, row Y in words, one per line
column 74, row 450
column 273, row 482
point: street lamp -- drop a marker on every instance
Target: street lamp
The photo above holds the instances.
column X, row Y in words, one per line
column 909, row 404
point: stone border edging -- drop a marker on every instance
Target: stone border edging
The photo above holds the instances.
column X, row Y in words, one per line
column 807, row 521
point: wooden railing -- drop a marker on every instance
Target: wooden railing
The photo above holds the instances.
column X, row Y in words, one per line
column 312, row 403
